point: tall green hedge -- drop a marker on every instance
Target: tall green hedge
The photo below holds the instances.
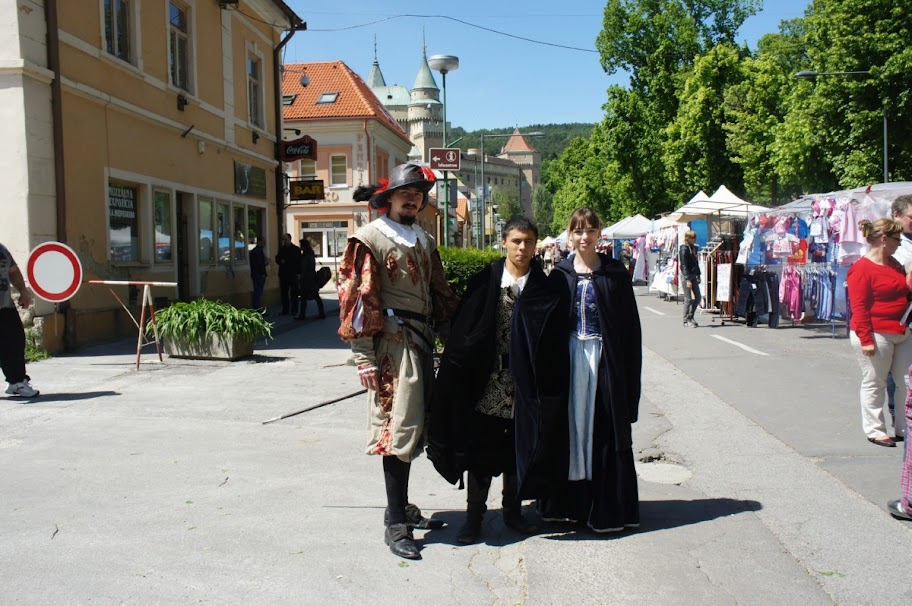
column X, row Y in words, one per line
column 460, row 264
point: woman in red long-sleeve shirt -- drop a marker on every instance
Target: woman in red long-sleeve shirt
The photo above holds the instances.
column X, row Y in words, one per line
column 879, row 295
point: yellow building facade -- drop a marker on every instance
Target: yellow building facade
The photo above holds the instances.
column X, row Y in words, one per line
column 151, row 149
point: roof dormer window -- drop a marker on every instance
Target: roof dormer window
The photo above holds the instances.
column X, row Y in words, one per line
column 328, row 98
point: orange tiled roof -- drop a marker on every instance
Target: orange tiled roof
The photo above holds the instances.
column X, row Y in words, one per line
column 355, row 98
column 517, row 143
column 462, row 208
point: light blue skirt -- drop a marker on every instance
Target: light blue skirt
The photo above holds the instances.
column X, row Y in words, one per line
column 585, row 355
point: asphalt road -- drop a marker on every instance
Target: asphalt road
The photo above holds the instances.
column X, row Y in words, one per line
column 163, row 486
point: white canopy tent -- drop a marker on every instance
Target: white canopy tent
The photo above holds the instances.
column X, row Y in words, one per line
column 610, row 228
column 722, row 203
column 631, row 227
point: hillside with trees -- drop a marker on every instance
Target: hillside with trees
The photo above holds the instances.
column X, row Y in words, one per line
column 556, row 139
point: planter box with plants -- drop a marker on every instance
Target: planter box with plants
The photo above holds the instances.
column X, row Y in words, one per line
column 212, row 330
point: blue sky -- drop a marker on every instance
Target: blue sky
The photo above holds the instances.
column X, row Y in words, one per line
column 501, row 81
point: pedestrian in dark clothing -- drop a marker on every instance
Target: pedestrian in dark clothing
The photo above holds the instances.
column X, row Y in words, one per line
column 690, row 272
column 289, row 261
column 499, row 404
column 258, row 274
column 606, row 356
column 307, row 281
column 12, row 334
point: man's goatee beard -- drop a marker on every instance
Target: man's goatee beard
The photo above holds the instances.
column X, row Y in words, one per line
column 407, row 220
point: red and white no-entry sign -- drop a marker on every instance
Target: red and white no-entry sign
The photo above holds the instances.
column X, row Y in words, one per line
column 54, row 271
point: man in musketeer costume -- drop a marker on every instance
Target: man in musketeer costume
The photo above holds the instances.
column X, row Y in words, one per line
column 392, row 292
column 499, row 404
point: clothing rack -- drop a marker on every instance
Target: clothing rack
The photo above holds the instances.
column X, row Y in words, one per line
column 805, row 272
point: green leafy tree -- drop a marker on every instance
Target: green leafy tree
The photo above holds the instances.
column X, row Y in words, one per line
column 847, row 111
column 696, row 153
column 757, row 107
column 655, row 41
column 543, row 209
column 505, row 199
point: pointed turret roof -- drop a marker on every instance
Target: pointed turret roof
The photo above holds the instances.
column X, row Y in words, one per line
column 425, row 78
column 375, row 79
column 517, row 143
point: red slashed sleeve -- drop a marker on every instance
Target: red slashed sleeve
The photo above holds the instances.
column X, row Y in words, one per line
column 359, row 301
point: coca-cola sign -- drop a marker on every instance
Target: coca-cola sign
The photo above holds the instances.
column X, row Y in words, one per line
column 305, row 147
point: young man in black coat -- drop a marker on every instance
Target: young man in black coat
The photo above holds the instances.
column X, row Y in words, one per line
column 499, row 404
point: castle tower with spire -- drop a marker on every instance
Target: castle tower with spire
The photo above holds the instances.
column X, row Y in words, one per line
column 419, row 111
column 425, row 111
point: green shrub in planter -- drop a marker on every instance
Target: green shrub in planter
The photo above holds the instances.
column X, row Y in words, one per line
column 201, row 320
column 460, row 264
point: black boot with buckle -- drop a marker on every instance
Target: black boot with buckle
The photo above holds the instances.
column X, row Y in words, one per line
column 400, row 541
column 476, row 499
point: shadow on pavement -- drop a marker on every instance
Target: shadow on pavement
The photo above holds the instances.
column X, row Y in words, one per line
column 72, row 397
column 662, row 515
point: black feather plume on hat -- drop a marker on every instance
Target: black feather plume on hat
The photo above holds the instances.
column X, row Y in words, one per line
column 363, row 193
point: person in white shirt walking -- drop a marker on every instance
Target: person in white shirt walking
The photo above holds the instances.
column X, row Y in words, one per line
column 12, row 333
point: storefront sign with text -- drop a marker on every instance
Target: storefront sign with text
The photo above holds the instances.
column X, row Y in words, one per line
column 306, row 190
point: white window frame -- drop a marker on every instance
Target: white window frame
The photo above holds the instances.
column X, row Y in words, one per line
column 332, row 175
column 327, row 235
column 309, row 174
column 134, row 56
column 188, row 7
column 259, row 119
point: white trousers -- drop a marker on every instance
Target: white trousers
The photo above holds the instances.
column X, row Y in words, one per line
column 584, row 360
column 892, row 352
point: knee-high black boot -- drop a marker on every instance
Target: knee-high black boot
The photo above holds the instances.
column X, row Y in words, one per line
column 398, row 535
column 476, row 507
column 512, row 506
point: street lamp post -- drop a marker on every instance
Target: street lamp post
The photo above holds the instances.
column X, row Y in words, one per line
column 810, row 75
column 444, row 64
column 484, row 183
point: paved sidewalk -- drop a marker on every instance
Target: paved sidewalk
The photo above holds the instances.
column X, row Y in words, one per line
column 163, row 486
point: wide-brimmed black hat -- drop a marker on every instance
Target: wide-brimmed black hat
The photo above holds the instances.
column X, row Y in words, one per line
column 404, row 175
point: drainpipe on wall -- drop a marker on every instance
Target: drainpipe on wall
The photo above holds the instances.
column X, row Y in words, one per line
column 296, row 26
column 53, row 59
column 370, row 172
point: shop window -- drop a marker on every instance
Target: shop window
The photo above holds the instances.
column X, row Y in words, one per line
column 256, row 227
column 179, row 45
column 223, row 229
column 161, row 218
column 254, row 90
column 123, row 223
column 206, row 240
column 327, row 238
column 240, row 233
column 338, row 168
column 117, row 20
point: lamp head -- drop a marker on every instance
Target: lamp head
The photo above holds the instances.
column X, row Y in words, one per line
column 304, row 80
column 443, row 63
column 806, row 74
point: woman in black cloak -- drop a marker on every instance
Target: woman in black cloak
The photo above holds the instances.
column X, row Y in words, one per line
column 605, row 364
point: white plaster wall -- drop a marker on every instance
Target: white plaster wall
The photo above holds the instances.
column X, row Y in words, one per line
column 32, row 30
column 26, row 149
column 14, row 166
